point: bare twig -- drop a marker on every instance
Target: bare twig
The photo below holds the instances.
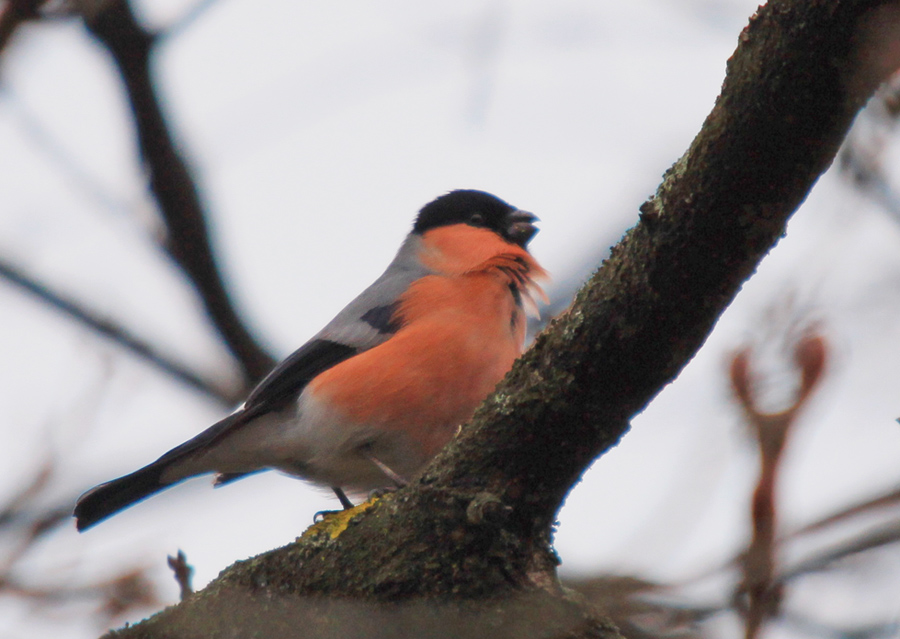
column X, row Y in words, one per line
column 44, row 141
column 183, row 573
column 117, row 595
column 188, row 242
column 888, row 498
column 862, row 157
column 803, row 626
column 762, row 591
column 630, row 603
column 117, row 334
column 12, row 14
column 869, row 540
column 24, row 523
column 873, row 538
column 10, row 511
column 187, row 19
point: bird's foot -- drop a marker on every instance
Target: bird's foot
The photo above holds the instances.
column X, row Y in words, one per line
column 346, row 504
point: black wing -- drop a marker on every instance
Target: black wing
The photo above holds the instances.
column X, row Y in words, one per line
column 286, row 380
column 278, row 388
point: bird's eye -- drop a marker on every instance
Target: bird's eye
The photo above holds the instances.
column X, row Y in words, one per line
column 476, row 219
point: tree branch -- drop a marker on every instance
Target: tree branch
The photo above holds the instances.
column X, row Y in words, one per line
column 116, row 334
column 12, row 15
column 472, row 533
column 187, row 241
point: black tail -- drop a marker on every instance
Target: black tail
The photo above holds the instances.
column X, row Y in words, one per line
column 107, row 499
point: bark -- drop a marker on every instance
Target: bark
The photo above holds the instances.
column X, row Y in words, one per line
column 467, row 546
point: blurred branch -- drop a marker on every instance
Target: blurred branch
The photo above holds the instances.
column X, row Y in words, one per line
column 14, row 507
column 25, row 524
column 888, row 498
column 811, row 628
column 868, row 540
column 22, row 520
column 117, row 595
column 862, row 158
column 12, row 14
column 630, row 604
column 758, row 585
column 187, row 19
column 117, row 334
column 183, row 573
column 653, row 610
column 43, row 140
column 187, row 240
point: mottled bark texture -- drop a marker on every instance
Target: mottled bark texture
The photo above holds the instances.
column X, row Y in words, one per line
column 467, row 545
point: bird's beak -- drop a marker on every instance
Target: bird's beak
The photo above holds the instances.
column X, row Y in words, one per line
column 520, row 228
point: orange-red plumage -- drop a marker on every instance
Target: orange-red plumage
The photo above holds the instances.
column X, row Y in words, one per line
column 461, row 332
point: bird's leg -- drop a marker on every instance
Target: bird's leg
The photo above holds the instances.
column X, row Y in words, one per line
column 346, row 503
column 399, row 480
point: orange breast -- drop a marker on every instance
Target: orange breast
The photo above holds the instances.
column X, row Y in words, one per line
column 461, row 336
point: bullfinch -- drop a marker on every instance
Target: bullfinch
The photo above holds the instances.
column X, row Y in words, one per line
column 386, row 384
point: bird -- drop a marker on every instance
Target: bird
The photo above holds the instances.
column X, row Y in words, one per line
column 384, row 386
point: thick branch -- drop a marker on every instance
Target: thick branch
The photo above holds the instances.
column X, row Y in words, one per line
column 170, row 181
column 792, row 89
column 476, row 525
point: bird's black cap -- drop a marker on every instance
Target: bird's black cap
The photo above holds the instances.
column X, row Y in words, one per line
column 480, row 209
